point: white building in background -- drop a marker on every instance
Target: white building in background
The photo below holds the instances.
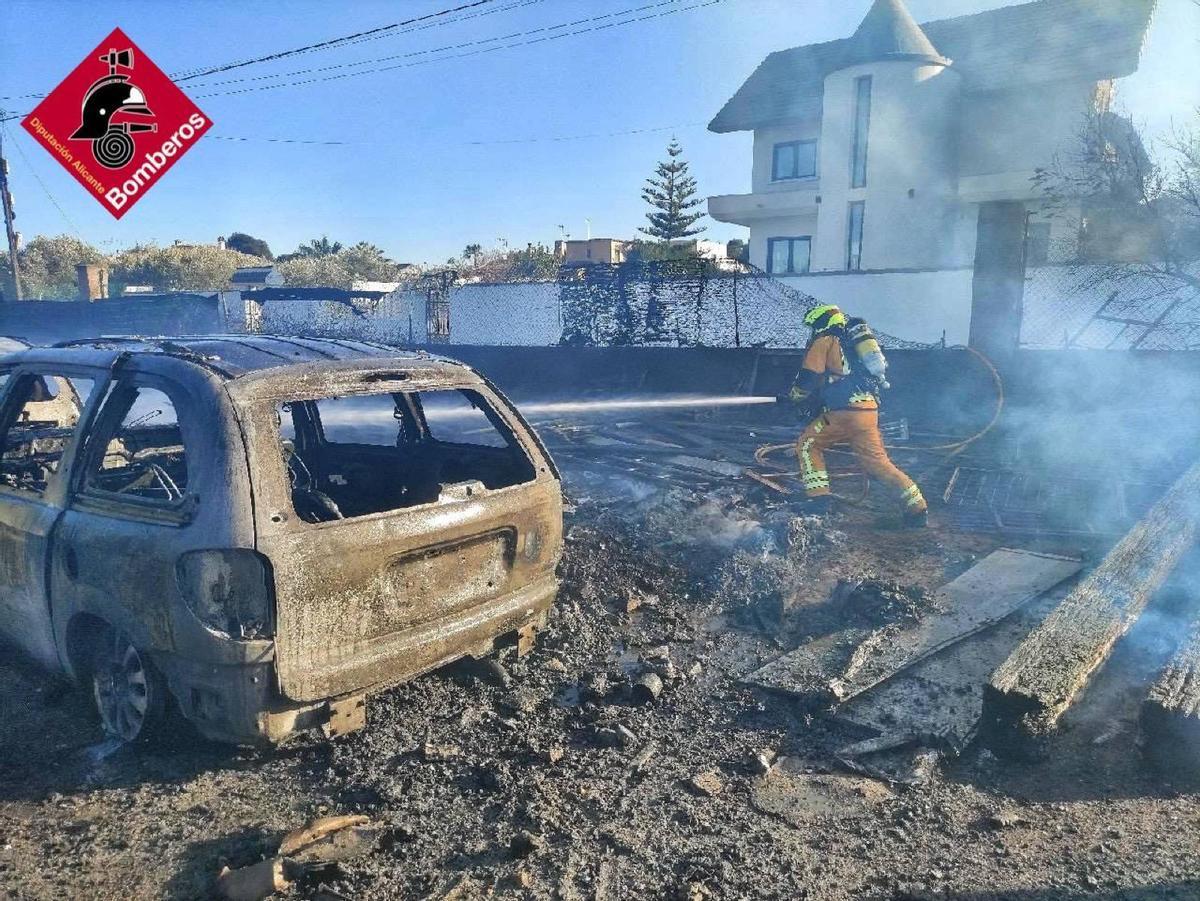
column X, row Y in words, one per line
column 875, row 151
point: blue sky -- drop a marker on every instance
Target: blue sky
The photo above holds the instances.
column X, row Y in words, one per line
column 475, row 149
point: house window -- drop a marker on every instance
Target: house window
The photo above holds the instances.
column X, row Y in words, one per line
column 1037, row 243
column 854, row 235
column 862, row 123
column 788, row 256
column 794, row 159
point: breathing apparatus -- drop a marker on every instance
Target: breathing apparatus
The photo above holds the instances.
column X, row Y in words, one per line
column 858, row 341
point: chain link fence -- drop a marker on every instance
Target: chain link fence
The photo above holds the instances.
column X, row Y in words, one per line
column 1112, row 306
column 669, row 303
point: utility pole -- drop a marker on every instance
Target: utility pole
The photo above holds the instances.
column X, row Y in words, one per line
column 9, row 215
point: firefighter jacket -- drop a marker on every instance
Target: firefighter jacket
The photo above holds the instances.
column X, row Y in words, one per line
column 827, row 376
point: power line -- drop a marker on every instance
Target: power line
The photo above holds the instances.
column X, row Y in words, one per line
column 333, row 42
column 476, row 52
column 349, row 40
column 459, row 46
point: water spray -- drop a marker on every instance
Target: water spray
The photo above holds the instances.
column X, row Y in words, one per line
column 601, row 406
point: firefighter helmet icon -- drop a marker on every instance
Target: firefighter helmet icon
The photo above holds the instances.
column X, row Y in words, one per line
column 113, row 94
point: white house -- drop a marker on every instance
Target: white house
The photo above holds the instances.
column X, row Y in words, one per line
column 875, row 151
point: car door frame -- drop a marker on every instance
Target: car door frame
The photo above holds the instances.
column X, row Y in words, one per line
column 36, row 516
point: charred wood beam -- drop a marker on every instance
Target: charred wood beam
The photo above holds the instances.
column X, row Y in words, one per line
column 1028, row 693
column 1171, row 711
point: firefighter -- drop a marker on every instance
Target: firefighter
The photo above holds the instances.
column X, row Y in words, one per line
column 837, row 392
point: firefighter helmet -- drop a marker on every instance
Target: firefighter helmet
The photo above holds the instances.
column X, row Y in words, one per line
column 824, row 316
column 110, row 95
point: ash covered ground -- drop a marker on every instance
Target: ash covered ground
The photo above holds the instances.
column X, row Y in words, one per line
column 557, row 776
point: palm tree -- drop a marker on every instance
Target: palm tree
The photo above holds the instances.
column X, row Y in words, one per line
column 472, row 252
column 319, row 247
column 368, row 247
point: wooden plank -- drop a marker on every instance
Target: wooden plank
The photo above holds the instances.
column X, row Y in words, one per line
column 1030, row 690
column 840, row 666
column 1001, row 583
column 1171, row 711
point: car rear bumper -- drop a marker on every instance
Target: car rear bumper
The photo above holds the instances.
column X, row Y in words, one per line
column 240, row 703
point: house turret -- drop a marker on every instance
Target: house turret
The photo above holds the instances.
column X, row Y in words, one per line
column 888, row 143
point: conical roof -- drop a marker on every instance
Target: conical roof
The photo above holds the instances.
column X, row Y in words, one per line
column 890, row 32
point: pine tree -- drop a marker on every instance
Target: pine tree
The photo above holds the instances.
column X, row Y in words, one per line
column 672, row 196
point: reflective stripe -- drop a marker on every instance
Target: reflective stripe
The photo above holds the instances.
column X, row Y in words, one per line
column 812, row 478
column 806, row 463
column 912, row 496
column 860, row 396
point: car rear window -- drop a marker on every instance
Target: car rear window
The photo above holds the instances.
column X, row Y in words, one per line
column 368, row 453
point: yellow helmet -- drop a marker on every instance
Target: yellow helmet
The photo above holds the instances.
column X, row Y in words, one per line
column 824, row 316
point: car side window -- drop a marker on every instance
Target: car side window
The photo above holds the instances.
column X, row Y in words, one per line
column 48, row 408
column 145, row 456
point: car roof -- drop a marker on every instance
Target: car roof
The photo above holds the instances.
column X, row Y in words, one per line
column 233, row 356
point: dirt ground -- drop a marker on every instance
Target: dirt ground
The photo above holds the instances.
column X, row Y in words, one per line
column 547, row 778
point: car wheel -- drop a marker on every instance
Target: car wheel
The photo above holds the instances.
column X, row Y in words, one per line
column 129, row 693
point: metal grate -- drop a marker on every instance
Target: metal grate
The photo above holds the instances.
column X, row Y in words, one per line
column 985, row 500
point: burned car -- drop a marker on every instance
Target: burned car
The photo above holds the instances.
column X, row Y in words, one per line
column 262, row 530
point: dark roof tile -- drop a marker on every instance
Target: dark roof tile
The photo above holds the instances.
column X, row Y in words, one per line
column 1032, row 43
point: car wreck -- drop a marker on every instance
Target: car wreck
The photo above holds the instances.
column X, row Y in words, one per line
column 262, row 530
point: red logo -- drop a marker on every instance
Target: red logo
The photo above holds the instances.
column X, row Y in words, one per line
column 117, row 123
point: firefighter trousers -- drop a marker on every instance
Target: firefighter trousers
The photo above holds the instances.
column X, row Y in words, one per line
column 859, row 429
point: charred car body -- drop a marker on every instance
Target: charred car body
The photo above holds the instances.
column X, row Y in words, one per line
column 264, row 529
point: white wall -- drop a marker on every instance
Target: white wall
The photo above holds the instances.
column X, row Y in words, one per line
column 910, row 147
column 526, row 314
column 790, row 227
column 765, row 140
column 913, row 306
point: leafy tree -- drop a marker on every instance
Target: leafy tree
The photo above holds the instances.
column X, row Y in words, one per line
column 535, row 263
column 48, row 266
column 1137, row 214
column 673, row 200
column 737, row 249
column 366, row 262
column 658, row 251
column 327, row 270
column 179, row 267
column 340, row 269
column 319, row 247
column 244, row 243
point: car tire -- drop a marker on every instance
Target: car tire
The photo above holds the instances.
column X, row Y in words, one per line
column 129, row 693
